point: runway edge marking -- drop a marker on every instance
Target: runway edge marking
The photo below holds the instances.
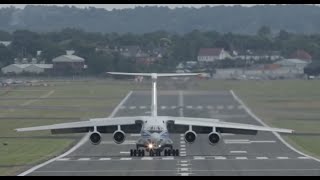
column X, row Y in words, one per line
column 80, row 143
column 248, row 110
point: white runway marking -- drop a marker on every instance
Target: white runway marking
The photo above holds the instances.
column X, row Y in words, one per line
column 227, row 134
column 163, row 107
column 182, row 145
column 182, row 142
column 63, row 159
column 199, row 107
column 184, row 174
column 182, row 135
column 83, row 159
column 143, row 107
column 263, row 141
column 241, row 158
column 124, row 152
column 220, row 158
column 189, row 107
column 184, row 169
column 186, row 162
column 236, row 141
column 238, row 152
column 147, row 158
column 182, row 149
column 185, row 165
column 199, row 158
column 244, row 141
column 282, row 158
column 168, row 158
column 230, row 107
column 304, row 157
column 132, row 107
column 262, row 158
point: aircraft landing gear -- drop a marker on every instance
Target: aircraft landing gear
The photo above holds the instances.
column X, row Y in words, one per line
column 154, row 153
column 137, row 152
column 171, row 152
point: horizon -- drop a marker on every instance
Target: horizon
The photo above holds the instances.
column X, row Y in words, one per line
column 133, row 6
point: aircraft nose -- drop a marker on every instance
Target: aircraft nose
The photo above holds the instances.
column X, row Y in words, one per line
column 155, row 137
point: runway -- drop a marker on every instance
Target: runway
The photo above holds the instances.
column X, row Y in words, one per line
column 237, row 155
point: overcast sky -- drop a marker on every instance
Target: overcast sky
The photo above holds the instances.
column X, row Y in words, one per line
column 121, row 6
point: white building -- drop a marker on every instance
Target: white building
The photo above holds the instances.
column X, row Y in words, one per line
column 38, row 68
column 26, row 68
column 294, row 64
column 5, row 43
column 212, row 54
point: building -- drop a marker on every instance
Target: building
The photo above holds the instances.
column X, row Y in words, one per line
column 68, row 63
column 27, row 68
column 293, row 66
column 5, row 43
column 302, row 55
column 212, row 54
column 257, row 56
column 292, row 63
column 38, row 68
column 14, row 69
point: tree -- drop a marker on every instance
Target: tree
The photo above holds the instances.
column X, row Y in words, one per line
column 264, row 31
column 283, row 35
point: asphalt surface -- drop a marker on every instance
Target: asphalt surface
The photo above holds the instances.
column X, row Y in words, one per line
column 236, row 155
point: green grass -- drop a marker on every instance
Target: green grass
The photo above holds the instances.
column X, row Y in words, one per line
column 291, row 104
column 18, row 151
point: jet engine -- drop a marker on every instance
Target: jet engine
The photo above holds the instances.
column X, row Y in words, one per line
column 190, row 137
column 95, row 138
column 214, row 138
column 119, row 137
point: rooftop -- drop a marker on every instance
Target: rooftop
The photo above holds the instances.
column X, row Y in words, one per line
column 68, row 58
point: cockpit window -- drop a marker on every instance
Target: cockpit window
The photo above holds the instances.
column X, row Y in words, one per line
column 154, row 129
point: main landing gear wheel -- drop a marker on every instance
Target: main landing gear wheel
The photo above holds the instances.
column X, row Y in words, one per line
column 171, row 152
column 135, row 152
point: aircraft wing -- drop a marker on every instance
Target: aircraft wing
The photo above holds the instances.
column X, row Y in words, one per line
column 76, row 126
column 224, row 127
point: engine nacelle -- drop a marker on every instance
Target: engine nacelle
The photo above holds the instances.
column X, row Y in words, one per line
column 119, row 137
column 190, row 137
column 95, row 138
column 214, row 138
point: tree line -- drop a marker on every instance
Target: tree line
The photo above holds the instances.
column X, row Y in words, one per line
column 236, row 19
column 177, row 47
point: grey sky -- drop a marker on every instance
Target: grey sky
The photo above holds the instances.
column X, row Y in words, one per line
column 121, row 6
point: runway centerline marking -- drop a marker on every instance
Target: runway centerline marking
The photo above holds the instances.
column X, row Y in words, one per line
column 238, row 152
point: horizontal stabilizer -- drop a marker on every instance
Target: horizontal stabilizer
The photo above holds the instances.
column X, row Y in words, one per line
column 155, row 74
